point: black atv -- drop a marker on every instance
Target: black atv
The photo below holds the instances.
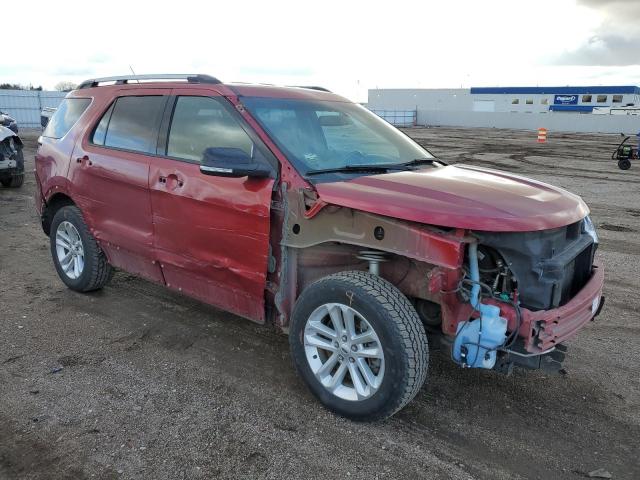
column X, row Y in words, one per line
column 625, row 153
column 11, row 159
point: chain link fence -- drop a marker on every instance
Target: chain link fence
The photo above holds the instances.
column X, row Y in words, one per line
column 398, row 118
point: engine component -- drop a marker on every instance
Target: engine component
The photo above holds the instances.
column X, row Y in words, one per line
column 550, row 266
column 478, row 340
column 375, row 258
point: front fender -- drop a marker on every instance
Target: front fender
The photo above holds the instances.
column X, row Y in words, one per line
column 330, row 223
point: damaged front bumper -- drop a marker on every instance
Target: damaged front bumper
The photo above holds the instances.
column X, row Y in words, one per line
column 542, row 332
column 546, row 329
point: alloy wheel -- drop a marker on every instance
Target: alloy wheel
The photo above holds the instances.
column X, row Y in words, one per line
column 69, row 250
column 344, row 352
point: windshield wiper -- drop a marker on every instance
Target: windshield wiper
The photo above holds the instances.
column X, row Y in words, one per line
column 360, row 168
column 423, row 161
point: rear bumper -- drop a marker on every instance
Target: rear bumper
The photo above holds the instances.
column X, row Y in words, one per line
column 548, row 328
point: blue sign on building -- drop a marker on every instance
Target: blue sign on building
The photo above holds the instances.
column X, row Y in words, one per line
column 565, row 99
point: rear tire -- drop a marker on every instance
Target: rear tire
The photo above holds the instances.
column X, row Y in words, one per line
column 624, row 164
column 79, row 260
column 382, row 373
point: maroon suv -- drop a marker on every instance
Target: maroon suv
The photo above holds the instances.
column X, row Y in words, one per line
column 297, row 207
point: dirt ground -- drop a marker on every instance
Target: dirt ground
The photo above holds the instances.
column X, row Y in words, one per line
column 155, row 385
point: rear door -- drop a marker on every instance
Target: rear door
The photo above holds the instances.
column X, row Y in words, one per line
column 211, row 233
column 110, row 174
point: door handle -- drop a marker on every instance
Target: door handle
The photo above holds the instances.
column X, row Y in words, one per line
column 84, row 158
column 172, row 181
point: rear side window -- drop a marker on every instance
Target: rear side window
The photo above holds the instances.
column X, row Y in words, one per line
column 131, row 124
column 65, row 117
column 101, row 130
column 202, row 122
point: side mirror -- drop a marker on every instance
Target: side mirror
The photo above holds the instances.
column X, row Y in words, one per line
column 231, row 162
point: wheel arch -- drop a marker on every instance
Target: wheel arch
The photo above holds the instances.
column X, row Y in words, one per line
column 412, row 254
column 54, row 203
column 418, row 257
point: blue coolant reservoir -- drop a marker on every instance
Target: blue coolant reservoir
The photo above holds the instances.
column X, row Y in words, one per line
column 477, row 340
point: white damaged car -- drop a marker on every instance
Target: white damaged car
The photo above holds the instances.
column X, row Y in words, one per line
column 11, row 159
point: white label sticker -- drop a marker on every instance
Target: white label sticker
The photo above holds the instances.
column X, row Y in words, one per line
column 594, row 305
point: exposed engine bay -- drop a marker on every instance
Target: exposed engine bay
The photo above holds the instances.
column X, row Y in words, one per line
column 11, row 158
column 548, row 266
column 534, row 270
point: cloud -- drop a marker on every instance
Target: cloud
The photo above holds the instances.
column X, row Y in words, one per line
column 606, row 4
column 99, row 57
column 369, row 44
column 604, row 50
column 615, row 42
column 277, row 71
column 72, row 70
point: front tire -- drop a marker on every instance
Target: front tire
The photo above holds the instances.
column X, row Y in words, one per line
column 79, row 260
column 359, row 345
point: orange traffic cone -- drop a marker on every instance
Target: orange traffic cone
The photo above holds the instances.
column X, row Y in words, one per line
column 542, row 135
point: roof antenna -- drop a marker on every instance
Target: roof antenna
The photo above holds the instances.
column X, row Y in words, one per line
column 134, row 73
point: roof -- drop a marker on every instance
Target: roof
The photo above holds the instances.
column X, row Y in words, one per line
column 200, row 82
column 619, row 89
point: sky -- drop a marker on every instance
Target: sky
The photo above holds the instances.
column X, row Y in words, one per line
column 348, row 46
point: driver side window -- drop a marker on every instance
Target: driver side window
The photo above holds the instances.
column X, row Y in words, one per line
column 199, row 123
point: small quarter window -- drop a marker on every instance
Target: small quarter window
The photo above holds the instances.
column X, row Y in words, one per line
column 617, row 99
column 602, row 98
column 65, row 117
column 101, row 130
column 586, row 98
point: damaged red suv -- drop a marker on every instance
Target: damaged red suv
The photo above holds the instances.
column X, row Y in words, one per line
column 297, row 207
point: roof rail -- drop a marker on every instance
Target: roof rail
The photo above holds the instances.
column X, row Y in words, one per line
column 125, row 79
column 311, row 87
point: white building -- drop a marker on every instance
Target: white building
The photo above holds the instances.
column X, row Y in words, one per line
column 512, row 107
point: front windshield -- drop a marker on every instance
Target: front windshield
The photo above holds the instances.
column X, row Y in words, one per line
column 326, row 135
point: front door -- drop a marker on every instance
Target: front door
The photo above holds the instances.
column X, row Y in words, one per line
column 110, row 176
column 211, row 234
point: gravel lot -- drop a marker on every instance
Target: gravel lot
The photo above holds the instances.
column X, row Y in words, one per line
column 155, row 385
